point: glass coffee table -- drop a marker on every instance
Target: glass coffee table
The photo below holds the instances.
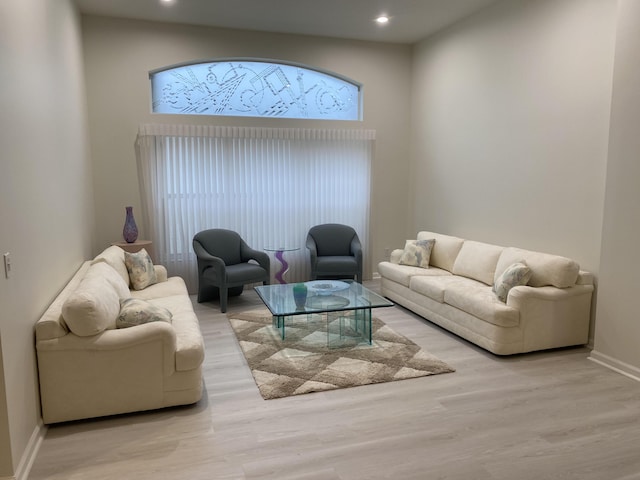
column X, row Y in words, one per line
column 346, row 305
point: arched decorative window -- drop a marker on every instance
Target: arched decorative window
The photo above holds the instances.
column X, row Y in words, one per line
column 255, row 88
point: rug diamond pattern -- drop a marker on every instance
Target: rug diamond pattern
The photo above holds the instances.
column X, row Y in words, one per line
column 303, row 363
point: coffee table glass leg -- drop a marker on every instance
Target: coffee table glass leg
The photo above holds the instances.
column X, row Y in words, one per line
column 367, row 325
column 363, row 324
column 277, row 321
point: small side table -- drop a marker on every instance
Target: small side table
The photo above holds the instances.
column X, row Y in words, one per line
column 284, row 266
column 137, row 246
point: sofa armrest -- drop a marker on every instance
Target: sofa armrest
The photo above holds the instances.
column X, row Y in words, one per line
column 396, row 255
column 522, row 293
column 161, row 273
column 584, row 278
column 552, row 317
column 116, row 371
column 120, row 339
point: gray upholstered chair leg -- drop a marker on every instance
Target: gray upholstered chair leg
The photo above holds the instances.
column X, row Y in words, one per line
column 206, row 292
column 224, row 294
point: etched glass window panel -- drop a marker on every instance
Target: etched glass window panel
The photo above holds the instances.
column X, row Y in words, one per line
column 254, row 88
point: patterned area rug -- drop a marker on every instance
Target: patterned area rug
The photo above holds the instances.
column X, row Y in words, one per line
column 303, row 363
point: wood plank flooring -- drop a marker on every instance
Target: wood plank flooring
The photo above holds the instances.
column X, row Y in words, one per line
column 550, row 415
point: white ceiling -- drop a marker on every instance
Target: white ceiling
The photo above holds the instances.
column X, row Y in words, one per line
column 411, row 20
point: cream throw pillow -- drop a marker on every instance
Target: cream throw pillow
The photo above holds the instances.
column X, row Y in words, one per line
column 140, row 268
column 514, row 275
column 417, row 253
column 135, row 311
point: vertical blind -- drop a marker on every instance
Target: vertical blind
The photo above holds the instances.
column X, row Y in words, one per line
column 268, row 184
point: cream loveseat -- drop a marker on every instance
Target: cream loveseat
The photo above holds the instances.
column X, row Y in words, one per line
column 89, row 368
column 456, row 292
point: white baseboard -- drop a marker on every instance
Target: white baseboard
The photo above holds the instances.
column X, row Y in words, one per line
column 30, row 453
column 615, row 365
column 376, row 276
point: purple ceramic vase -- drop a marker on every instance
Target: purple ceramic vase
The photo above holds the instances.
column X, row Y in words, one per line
column 130, row 230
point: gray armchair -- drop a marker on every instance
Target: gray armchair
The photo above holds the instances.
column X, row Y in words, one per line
column 223, row 265
column 335, row 252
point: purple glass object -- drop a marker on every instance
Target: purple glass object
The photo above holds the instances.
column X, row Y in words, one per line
column 130, row 230
column 285, row 267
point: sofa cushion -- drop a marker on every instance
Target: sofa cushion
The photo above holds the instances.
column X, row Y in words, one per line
column 106, row 271
column 402, row 274
column 433, row 286
column 546, row 269
column 92, row 308
column 172, row 286
column 114, row 256
column 515, row 274
column 477, row 299
column 445, row 250
column 140, row 268
column 135, row 311
column 478, row 261
column 417, row 253
column 189, row 342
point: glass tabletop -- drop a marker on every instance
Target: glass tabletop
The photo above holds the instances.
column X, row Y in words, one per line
column 270, row 248
column 322, row 296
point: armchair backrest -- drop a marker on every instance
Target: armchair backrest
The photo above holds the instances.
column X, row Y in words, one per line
column 332, row 239
column 222, row 243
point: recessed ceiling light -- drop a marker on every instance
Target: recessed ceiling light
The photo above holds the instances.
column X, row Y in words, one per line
column 382, row 19
column 167, row 2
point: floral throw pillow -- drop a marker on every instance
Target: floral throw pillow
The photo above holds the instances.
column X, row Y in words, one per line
column 140, row 268
column 516, row 274
column 135, row 311
column 417, row 253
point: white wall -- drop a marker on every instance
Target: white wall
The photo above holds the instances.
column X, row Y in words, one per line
column 617, row 339
column 120, row 53
column 46, row 203
column 510, row 126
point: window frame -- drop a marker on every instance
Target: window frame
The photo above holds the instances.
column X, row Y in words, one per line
column 267, row 61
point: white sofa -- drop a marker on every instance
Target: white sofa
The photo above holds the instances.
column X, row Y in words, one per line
column 104, row 370
column 552, row 310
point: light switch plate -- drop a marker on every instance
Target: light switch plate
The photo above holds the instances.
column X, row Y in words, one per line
column 7, row 264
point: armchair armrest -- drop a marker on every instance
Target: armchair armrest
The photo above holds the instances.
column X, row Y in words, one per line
column 247, row 253
column 313, row 249
column 356, row 249
column 206, row 261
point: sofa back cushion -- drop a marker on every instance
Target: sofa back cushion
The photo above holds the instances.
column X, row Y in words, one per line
column 52, row 325
column 478, row 261
column 92, row 308
column 106, row 271
column 114, row 256
column 444, row 251
column 546, row 269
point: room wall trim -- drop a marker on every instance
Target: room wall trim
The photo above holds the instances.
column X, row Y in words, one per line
column 30, row 453
column 616, row 365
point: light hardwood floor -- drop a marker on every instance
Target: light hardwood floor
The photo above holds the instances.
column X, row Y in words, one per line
column 551, row 415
